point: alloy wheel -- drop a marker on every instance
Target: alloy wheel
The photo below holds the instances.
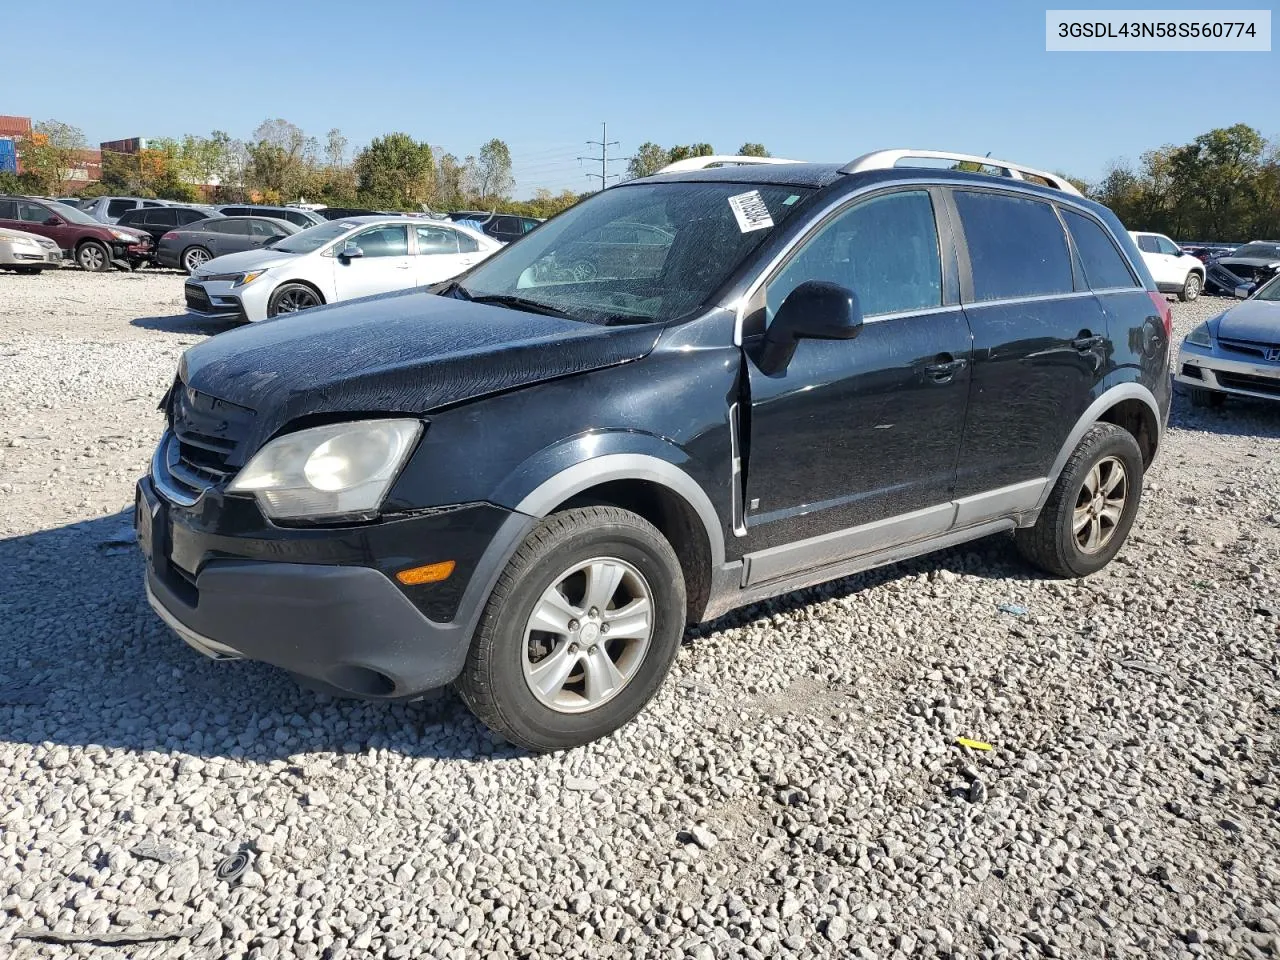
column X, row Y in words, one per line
column 588, row 635
column 294, row 300
column 1100, row 504
column 92, row 258
column 195, row 259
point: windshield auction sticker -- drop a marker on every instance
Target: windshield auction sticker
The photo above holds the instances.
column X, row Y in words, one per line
column 750, row 211
column 1173, row 30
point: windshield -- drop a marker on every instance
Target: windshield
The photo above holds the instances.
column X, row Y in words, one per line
column 75, row 215
column 313, row 238
column 1270, row 290
column 1265, row 251
column 649, row 252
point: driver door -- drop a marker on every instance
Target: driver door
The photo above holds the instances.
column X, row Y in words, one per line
column 384, row 263
column 854, row 444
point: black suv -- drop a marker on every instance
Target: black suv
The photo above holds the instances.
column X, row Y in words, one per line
column 501, row 226
column 529, row 484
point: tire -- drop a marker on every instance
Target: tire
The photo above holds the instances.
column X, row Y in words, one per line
column 292, row 297
column 1201, row 397
column 1057, row 543
column 563, row 556
column 93, row 256
column 195, row 257
column 1191, row 287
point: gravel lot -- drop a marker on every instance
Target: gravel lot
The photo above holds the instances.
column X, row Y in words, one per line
column 796, row 790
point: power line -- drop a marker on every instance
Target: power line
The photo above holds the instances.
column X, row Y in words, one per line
column 604, row 143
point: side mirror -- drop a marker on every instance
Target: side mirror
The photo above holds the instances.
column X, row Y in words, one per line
column 814, row 310
column 1242, row 292
column 350, row 252
column 53, row 222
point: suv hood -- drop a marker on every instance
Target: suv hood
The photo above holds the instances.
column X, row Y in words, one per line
column 405, row 352
column 242, row 262
column 1255, row 320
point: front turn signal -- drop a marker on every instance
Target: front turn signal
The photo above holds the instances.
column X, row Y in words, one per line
column 428, row 573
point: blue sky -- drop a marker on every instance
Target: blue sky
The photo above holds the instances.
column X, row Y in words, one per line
column 818, row 80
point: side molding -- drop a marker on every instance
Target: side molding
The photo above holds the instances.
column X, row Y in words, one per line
column 627, row 466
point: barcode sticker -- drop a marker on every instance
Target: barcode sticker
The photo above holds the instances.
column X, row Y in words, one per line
column 750, row 211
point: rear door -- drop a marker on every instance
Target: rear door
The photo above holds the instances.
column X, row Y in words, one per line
column 385, row 263
column 442, row 253
column 228, row 236
column 9, row 214
column 857, row 439
column 158, row 221
column 1040, row 343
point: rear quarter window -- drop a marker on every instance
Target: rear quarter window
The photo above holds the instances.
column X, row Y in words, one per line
column 1016, row 246
column 1104, row 267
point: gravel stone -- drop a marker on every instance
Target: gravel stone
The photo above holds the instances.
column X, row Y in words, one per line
column 1128, row 807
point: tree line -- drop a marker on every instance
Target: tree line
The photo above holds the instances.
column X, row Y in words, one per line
column 1223, row 185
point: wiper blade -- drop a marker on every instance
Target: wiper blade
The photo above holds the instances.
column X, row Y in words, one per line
column 519, row 303
column 454, row 289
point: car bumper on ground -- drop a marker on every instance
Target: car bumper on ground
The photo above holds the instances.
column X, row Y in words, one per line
column 131, row 253
column 323, row 603
column 1207, row 368
column 23, row 258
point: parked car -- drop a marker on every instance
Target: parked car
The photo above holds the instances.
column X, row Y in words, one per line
column 1254, row 263
column 340, row 260
column 93, row 245
column 24, row 252
column 295, row 215
column 531, row 487
column 190, row 247
column 157, row 221
column 345, row 213
column 109, row 209
column 1236, row 352
column 1174, row 270
column 500, row 226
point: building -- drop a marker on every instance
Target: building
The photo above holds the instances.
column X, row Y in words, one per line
column 11, row 129
column 128, row 145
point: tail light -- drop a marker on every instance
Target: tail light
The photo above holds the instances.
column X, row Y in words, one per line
column 1166, row 313
column 171, row 235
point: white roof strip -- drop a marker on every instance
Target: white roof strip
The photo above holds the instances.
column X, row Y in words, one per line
column 887, row 159
column 718, row 160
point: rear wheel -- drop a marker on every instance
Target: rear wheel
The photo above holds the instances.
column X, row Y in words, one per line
column 195, row 257
column 1088, row 515
column 93, row 256
column 579, row 632
column 1191, row 287
column 1200, row 397
column 292, row 297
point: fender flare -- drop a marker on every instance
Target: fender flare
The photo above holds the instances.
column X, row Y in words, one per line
column 1129, row 390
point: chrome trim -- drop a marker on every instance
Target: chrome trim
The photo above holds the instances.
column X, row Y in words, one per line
column 197, row 641
column 888, row 160
column 166, row 454
column 1036, row 298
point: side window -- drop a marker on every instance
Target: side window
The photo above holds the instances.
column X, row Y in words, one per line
column 433, row 240
column 261, row 228
column 1016, row 246
column 8, row 210
column 885, row 249
column 529, row 225
column 161, row 217
column 233, row 211
column 151, row 203
column 236, row 227
column 32, row 212
column 117, row 207
column 189, row 216
column 467, row 244
column 1104, row 267
column 391, row 240
column 506, row 225
column 1168, row 247
column 1148, row 244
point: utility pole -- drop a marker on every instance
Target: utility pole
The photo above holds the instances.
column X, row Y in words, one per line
column 604, row 143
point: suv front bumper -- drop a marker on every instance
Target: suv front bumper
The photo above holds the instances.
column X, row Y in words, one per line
column 328, row 610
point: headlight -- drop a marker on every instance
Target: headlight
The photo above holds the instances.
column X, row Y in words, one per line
column 1199, row 337
column 25, row 244
column 126, row 237
column 246, row 278
column 342, row 470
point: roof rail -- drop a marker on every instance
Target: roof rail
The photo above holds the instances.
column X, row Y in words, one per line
column 718, row 160
column 887, row 159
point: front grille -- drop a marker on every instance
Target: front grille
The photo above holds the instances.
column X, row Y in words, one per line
column 204, row 447
column 197, row 299
column 1251, row 347
column 1243, row 381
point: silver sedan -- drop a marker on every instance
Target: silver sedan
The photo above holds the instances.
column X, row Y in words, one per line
column 1236, row 352
column 23, row 252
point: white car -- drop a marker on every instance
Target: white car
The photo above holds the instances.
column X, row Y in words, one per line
column 338, row 260
column 23, row 252
column 1173, row 270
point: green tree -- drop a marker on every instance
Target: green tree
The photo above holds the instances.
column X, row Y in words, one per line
column 753, row 150
column 685, row 152
column 281, row 159
column 649, row 158
column 395, row 171
column 50, row 153
column 493, row 171
column 451, row 182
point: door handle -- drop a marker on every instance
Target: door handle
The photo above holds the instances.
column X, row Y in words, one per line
column 943, row 370
column 402, row 266
column 1087, row 343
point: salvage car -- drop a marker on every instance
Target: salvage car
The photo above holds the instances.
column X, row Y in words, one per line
column 22, row 252
column 157, row 221
column 94, row 246
column 339, row 260
column 530, row 484
column 1237, row 352
column 195, row 244
column 1254, row 263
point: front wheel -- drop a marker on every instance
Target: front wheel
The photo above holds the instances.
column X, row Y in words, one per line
column 292, row 297
column 1191, row 287
column 579, row 632
column 1088, row 515
column 93, row 256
